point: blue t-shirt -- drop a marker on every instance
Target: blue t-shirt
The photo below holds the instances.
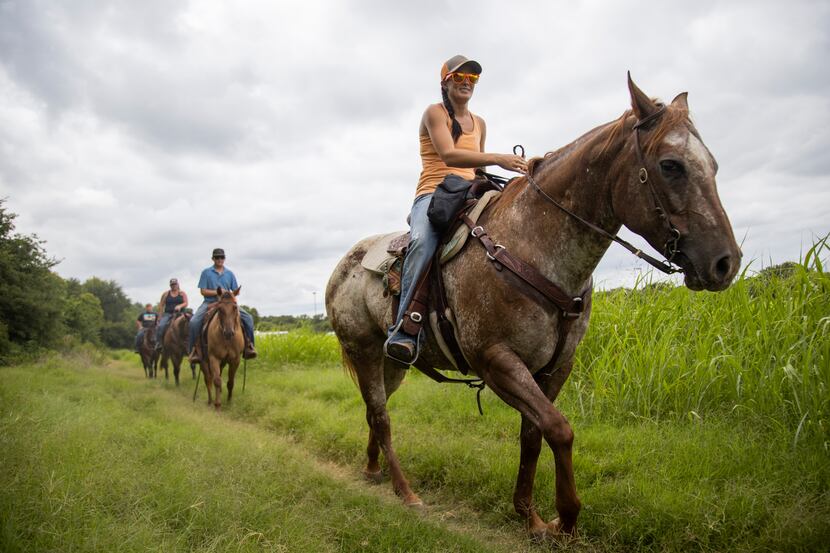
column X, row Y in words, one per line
column 212, row 280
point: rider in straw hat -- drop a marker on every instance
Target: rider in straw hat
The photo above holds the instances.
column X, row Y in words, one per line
column 452, row 143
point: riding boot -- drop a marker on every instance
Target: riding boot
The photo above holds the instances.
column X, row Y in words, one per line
column 195, row 354
column 401, row 346
column 249, row 352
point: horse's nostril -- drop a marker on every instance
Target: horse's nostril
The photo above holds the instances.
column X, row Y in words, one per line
column 723, row 266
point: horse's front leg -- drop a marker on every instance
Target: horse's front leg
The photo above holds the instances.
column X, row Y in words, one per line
column 204, row 366
column 550, row 381
column 232, row 367
column 176, row 359
column 216, row 374
column 509, row 378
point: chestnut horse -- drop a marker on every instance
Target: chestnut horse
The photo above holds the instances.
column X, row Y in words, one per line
column 174, row 345
column 507, row 331
column 148, row 353
column 225, row 342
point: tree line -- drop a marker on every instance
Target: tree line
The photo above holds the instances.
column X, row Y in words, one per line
column 41, row 310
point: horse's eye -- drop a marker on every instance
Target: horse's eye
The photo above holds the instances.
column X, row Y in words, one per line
column 672, row 169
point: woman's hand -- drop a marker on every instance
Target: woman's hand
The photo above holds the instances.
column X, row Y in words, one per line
column 512, row 162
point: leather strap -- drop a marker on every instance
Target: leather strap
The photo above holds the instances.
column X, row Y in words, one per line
column 417, row 310
column 570, row 306
column 445, row 326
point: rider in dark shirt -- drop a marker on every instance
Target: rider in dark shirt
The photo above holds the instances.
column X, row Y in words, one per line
column 172, row 301
column 145, row 320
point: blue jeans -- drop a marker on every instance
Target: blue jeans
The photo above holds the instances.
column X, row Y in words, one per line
column 199, row 315
column 162, row 326
column 139, row 337
column 424, row 240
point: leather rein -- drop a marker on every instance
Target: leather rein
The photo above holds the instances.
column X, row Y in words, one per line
column 570, row 307
column 670, row 248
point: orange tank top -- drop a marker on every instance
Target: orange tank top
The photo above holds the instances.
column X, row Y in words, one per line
column 434, row 169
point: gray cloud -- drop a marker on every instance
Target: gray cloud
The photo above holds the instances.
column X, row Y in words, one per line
column 135, row 137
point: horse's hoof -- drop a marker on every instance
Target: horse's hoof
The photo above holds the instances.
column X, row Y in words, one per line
column 414, row 502
column 559, row 532
column 373, row 477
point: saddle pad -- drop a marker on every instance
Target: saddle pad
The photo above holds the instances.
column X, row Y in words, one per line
column 459, row 237
column 377, row 259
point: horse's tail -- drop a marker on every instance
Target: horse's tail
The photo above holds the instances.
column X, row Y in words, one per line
column 348, row 365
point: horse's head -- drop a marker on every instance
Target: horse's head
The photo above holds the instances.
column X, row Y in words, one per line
column 150, row 336
column 228, row 314
column 669, row 195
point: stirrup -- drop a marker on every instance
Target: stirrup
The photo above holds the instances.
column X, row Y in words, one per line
column 417, row 340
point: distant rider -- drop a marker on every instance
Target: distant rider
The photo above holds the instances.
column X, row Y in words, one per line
column 146, row 319
column 212, row 278
column 172, row 301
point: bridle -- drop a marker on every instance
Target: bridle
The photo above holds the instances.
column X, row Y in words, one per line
column 235, row 319
column 670, row 248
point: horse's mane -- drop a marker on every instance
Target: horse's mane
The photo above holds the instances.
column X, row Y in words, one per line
column 597, row 143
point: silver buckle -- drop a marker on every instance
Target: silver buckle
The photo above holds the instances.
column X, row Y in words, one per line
column 498, row 247
column 415, row 317
column 473, row 232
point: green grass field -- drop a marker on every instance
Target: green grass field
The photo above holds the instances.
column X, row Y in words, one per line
column 715, row 440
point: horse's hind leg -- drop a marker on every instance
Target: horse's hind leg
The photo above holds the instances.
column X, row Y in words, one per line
column 376, row 384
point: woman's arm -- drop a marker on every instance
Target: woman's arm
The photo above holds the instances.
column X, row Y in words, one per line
column 435, row 123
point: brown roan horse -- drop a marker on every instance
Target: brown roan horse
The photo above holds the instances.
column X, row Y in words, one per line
column 508, row 332
column 148, row 353
column 174, row 345
column 225, row 342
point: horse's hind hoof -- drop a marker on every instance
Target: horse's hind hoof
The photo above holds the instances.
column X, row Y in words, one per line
column 373, row 477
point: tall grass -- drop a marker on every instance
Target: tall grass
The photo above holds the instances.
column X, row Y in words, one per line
column 759, row 349
column 301, row 347
column 762, row 347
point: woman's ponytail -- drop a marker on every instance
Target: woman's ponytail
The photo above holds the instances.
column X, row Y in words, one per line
column 456, row 126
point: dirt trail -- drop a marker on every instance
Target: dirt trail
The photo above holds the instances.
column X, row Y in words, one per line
column 455, row 518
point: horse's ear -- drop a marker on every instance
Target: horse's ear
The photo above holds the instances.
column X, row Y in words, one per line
column 681, row 100
column 640, row 102
column 218, row 290
column 236, row 292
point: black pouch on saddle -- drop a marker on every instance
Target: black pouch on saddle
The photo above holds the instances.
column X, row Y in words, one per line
column 447, row 201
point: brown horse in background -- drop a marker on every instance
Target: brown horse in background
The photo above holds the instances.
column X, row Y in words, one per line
column 225, row 343
column 148, row 353
column 174, row 345
column 648, row 170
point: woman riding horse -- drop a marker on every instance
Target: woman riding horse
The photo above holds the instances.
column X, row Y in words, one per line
column 452, row 143
column 648, row 170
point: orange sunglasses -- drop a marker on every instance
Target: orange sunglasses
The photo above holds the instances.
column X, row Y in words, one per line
column 459, row 78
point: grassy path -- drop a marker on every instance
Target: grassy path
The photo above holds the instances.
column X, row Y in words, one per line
column 96, row 458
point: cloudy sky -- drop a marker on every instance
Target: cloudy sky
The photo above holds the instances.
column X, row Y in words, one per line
column 137, row 136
